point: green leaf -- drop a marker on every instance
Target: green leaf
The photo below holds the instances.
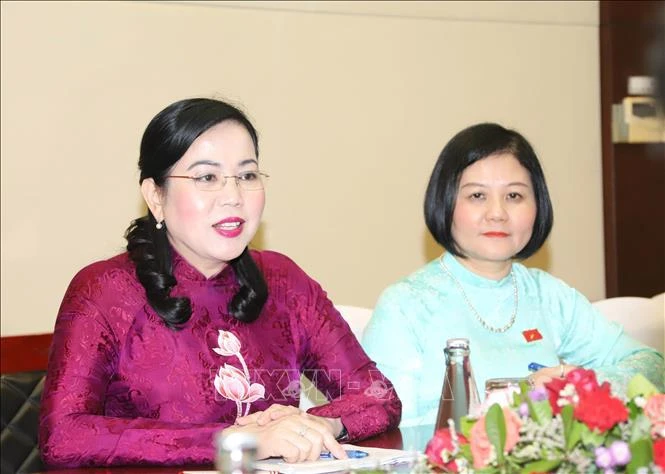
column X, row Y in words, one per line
column 544, row 465
column 639, row 385
column 575, row 436
column 567, row 418
column 465, row 451
column 572, row 429
column 540, row 412
column 517, row 399
column 633, row 409
column 640, row 428
column 495, row 426
column 590, row 438
column 465, row 426
column 487, row 470
column 642, row 455
column 614, row 434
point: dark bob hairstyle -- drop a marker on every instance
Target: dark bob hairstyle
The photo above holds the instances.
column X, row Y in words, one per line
column 464, row 149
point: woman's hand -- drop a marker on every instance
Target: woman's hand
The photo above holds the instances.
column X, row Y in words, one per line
column 541, row 377
column 274, row 412
column 277, row 411
column 296, row 436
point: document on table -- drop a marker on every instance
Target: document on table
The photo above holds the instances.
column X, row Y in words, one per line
column 376, row 457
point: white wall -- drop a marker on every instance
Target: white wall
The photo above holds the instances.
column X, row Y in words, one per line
column 353, row 102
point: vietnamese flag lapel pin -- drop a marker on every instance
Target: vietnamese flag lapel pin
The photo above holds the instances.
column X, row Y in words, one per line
column 531, row 335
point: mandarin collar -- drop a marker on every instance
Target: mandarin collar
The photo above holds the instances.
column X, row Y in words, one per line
column 184, row 271
column 465, row 275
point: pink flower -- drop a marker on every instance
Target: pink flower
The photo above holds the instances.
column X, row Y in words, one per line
column 481, row 448
column 440, row 450
column 228, row 344
column 655, row 411
column 231, row 383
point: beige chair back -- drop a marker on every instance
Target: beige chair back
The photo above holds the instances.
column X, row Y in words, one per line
column 642, row 318
column 357, row 317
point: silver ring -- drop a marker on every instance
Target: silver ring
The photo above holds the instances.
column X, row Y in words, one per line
column 303, row 430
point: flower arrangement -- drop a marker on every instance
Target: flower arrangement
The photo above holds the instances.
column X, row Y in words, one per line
column 572, row 425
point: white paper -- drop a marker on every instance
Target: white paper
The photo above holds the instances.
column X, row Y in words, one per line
column 377, row 457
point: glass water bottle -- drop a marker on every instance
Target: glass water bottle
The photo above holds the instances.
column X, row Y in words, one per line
column 236, row 453
column 459, row 394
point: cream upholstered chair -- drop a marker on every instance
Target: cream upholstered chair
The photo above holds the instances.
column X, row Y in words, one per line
column 659, row 299
column 642, row 318
column 357, row 317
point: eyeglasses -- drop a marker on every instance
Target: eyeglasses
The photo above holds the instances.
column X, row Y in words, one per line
column 247, row 181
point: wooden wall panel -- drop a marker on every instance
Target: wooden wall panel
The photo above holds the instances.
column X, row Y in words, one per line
column 633, row 173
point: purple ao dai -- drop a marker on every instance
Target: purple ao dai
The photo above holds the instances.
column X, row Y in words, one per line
column 123, row 389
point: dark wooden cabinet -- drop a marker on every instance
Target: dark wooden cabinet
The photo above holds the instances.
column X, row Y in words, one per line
column 633, row 173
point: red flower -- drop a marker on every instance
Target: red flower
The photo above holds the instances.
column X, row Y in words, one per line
column 440, row 450
column 554, row 388
column 584, row 383
column 659, row 453
column 600, row 410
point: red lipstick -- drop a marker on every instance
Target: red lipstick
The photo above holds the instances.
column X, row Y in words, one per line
column 230, row 227
column 495, row 234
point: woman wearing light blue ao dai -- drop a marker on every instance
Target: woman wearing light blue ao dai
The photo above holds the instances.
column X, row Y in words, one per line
column 488, row 205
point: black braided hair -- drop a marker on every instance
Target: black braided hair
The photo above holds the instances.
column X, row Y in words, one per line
column 247, row 303
column 166, row 139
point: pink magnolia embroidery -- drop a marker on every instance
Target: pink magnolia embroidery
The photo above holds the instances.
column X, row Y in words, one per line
column 229, row 345
column 230, row 382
